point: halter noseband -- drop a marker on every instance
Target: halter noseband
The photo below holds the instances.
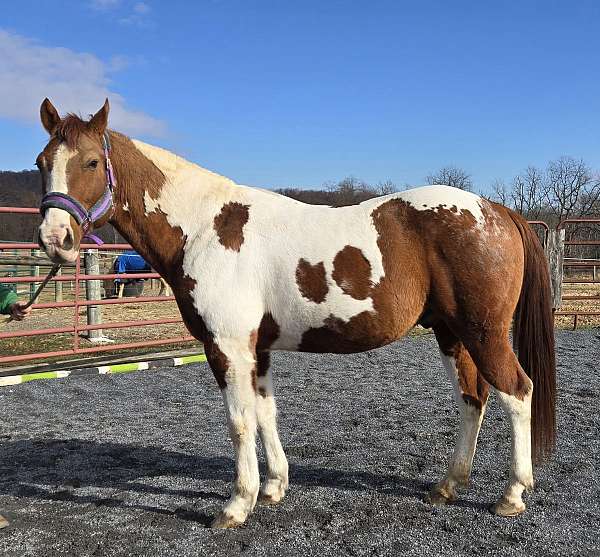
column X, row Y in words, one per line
column 84, row 217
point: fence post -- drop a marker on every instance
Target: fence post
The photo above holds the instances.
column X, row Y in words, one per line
column 92, row 291
column 556, row 253
column 35, row 272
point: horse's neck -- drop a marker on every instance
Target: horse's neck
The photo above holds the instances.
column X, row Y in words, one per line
column 152, row 184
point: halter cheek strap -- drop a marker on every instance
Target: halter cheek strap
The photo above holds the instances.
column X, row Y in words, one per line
column 84, row 217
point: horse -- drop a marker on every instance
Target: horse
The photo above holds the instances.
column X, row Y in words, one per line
column 253, row 272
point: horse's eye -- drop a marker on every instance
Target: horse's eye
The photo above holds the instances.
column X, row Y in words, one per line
column 93, row 163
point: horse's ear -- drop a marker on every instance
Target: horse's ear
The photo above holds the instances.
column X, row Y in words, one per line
column 49, row 116
column 99, row 120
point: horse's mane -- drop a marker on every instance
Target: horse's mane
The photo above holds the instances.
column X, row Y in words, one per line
column 70, row 129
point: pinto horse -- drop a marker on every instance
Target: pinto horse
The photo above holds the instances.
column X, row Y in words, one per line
column 253, row 271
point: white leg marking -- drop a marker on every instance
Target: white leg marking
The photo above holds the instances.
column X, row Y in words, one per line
column 240, row 409
column 276, row 484
column 521, row 470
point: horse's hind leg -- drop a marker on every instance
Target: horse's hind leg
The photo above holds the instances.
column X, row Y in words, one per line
column 500, row 367
column 470, row 393
column 276, row 483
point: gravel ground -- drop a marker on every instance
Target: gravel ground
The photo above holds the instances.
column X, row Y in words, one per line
column 138, row 464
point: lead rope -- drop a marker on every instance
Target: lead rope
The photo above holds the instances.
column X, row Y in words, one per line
column 55, row 268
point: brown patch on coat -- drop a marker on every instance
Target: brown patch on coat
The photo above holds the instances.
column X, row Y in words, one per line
column 437, row 262
column 352, row 272
column 260, row 342
column 312, row 281
column 229, row 225
column 219, row 364
column 263, row 362
column 268, row 332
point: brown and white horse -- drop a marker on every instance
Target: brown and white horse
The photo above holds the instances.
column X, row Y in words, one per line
column 254, row 271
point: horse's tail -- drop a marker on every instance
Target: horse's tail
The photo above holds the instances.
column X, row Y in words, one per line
column 533, row 339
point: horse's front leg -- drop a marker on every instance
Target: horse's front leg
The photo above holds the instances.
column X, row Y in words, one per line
column 233, row 364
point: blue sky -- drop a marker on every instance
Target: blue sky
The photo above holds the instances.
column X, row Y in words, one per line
column 279, row 94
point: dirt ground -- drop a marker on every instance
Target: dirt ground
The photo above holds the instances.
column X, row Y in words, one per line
column 138, row 464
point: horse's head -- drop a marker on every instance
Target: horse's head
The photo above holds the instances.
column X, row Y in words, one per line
column 77, row 180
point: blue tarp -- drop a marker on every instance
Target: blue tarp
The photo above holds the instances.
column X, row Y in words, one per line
column 131, row 262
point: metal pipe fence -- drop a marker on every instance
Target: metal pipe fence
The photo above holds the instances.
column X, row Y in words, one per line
column 580, row 264
column 75, row 275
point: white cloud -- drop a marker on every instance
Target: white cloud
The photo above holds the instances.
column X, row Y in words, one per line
column 74, row 82
column 139, row 16
column 104, row 4
column 141, row 8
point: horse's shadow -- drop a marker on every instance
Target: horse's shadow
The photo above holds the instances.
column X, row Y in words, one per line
column 53, row 469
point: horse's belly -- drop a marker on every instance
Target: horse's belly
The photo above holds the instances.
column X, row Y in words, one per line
column 365, row 331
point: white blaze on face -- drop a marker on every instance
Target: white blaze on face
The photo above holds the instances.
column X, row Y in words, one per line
column 53, row 229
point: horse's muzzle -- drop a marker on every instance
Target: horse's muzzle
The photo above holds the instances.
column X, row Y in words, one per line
column 59, row 243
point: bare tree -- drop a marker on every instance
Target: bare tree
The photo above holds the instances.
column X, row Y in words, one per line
column 500, row 192
column 386, row 187
column 573, row 189
column 451, row 176
column 529, row 192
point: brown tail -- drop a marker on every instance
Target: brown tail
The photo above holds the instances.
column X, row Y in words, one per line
column 533, row 339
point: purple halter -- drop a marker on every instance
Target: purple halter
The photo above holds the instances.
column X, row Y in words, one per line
column 84, row 217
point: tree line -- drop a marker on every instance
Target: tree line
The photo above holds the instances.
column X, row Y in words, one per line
column 565, row 188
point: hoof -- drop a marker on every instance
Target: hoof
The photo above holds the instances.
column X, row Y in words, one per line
column 270, row 498
column 272, row 492
column 224, row 520
column 506, row 508
column 3, row 522
column 439, row 496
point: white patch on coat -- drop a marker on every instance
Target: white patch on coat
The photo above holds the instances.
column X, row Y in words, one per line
column 427, row 198
column 125, row 206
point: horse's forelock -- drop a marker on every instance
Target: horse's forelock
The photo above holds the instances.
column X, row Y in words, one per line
column 70, row 129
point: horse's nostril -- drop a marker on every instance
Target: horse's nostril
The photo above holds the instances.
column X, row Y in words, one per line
column 69, row 240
